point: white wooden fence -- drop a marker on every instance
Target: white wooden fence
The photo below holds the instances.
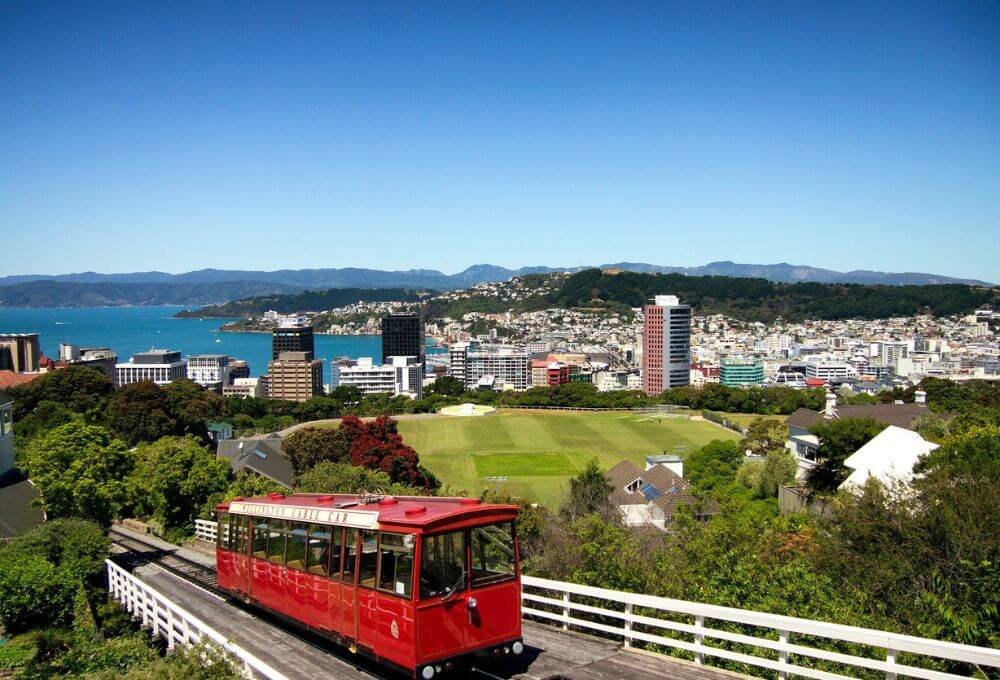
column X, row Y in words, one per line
column 700, row 628
column 703, row 630
column 205, row 530
column 174, row 624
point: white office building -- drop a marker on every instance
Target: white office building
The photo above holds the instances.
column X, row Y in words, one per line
column 509, row 366
column 402, row 375
column 835, row 371
column 208, row 370
column 162, row 366
column 246, row 387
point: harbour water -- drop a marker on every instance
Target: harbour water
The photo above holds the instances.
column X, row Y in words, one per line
column 128, row 330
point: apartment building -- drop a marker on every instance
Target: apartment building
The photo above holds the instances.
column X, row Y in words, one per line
column 246, row 387
column 509, row 367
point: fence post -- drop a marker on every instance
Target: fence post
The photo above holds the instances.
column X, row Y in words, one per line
column 628, row 624
column 890, row 658
column 783, row 653
column 565, row 598
column 699, row 622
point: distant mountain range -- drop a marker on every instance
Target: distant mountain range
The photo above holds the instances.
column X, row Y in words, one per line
column 351, row 277
column 69, row 294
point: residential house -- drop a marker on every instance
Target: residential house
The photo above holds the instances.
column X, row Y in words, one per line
column 651, row 497
column 889, row 457
column 804, row 445
column 262, row 455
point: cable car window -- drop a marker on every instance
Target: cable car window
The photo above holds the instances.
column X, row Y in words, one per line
column 238, row 524
column 369, row 558
column 260, row 538
column 276, row 541
column 318, row 554
column 395, row 566
column 442, row 564
column 295, row 546
column 492, row 553
column 350, row 552
column 222, row 531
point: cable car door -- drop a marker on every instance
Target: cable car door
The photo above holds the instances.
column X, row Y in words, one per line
column 349, row 586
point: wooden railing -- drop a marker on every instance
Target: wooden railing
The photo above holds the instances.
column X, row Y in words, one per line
column 174, row 624
column 712, row 634
column 785, row 643
column 205, row 530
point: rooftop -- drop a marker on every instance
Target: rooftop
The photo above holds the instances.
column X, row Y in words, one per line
column 417, row 511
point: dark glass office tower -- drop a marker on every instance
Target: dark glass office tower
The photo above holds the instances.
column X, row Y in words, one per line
column 402, row 336
column 292, row 339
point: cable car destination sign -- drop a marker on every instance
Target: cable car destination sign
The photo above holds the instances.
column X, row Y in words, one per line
column 360, row 519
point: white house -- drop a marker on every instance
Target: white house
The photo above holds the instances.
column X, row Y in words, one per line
column 889, row 457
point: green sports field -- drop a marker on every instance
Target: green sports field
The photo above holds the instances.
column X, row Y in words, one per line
column 539, row 451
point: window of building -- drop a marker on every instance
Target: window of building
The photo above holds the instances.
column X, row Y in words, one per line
column 396, row 563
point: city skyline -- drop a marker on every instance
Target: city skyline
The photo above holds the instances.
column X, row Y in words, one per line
column 846, row 137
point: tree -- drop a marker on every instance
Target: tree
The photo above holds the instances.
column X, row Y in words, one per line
column 173, row 478
column 41, row 572
column 141, row 412
column 311, row 445
column 588, row 493
column 377, row 446
column 714, row 465
column 76, row 545
column 329, row 477
column 838, row 439
column 80, row 389
column 764, row 435
column 448, row 385
column 79, row 471
column 192, row 406
column 33, row 592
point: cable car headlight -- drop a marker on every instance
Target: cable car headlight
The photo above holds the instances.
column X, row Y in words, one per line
column 517, row 647
column 427, row 673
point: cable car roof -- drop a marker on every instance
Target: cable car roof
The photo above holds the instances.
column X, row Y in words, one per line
column 367, row 511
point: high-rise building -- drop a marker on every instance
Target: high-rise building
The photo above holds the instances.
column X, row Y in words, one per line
column 161, row 366
column 666, row 343
column 292, row 338
column 402, row 336
column 19, row 352
column 295, row 376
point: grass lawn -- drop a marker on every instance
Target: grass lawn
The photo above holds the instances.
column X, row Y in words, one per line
column 745, row 419
column 539, row 452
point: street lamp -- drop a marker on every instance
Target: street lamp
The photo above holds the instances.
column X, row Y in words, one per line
column 498, row 480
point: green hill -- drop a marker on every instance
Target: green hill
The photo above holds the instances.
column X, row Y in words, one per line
column 762, row 300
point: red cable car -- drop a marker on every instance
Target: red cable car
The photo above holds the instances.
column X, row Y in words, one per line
column 417, row 583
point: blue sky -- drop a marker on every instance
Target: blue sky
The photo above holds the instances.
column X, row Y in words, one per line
column 176, row 136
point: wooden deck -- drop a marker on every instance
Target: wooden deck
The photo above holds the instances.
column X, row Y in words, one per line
column 550, row 653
